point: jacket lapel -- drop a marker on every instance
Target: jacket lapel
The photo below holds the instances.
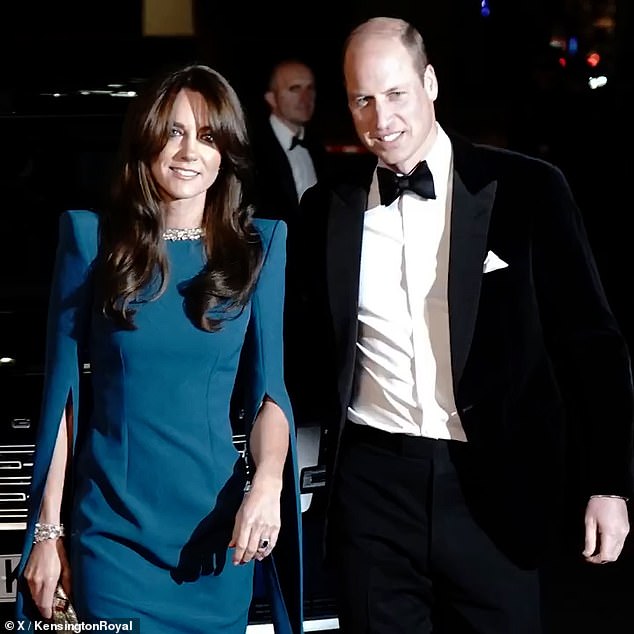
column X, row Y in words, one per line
column 473, row 198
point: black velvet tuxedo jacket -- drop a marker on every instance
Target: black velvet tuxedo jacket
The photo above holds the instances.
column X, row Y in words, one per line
column 537, row 357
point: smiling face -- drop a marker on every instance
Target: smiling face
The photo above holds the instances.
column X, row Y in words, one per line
column 392, row 107
column 188, row 164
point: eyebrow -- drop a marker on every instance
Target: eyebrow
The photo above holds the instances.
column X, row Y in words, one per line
column 361, row 93
column 205, row 127
column 396, row 88
column 357, row 93
column 300, row 84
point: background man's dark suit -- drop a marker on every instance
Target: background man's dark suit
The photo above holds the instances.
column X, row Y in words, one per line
column 275, row 187
column 534, row 346
column 277, row 199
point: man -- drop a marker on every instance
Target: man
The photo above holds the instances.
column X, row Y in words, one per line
column 289, row 160
column 467, row 320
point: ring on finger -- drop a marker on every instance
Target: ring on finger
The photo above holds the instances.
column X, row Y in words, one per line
column 265, row 542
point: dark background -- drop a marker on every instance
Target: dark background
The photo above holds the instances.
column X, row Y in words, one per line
column 499, row 78
column 500, row 81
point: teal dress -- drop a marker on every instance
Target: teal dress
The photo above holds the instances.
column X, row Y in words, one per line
column 156, row 478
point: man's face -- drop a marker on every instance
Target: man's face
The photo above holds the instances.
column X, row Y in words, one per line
column 392, row 107
column 292, row 95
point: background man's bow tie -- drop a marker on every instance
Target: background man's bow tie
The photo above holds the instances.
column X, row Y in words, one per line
column 297, row 141
column 419, row 180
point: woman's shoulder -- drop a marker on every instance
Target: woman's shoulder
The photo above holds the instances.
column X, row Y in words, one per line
column 83, row 220
column 271, row 231
column 81, row 228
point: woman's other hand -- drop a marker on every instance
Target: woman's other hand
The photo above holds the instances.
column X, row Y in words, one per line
column 47, row 565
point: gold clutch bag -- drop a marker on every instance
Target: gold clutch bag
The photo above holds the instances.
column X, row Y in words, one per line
column 63, row 611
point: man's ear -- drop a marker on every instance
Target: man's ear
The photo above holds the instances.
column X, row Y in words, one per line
column 430, row 82
column 269, row 97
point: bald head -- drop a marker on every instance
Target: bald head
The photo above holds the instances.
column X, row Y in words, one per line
column 382, row 28
column 286, row 68
column 389, row 27
column 291, row 94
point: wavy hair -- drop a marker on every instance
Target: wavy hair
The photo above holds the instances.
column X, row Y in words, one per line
column 132, row 252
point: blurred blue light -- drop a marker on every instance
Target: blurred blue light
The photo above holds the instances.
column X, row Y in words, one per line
column 573, row 45
column 485, row 10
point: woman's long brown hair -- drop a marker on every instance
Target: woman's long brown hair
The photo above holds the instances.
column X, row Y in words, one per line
column 132, row 251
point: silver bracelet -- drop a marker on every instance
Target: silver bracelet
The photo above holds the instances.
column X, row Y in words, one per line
column 44, row 532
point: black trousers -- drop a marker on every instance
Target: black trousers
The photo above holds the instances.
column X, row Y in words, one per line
column 410, row 557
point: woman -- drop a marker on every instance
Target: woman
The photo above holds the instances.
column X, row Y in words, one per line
column 167, row 290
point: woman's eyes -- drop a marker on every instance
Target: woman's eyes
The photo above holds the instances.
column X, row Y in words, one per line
column 205, row 137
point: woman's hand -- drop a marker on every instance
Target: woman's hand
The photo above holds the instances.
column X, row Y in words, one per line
column 257, row 523
column 47, row 565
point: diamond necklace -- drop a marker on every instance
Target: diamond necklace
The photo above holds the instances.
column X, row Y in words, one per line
column 195, row 233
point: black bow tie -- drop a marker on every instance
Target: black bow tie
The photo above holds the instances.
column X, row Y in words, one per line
column 297, row 141
column 419, row 180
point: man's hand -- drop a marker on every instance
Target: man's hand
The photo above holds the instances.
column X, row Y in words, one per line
column 607, row 526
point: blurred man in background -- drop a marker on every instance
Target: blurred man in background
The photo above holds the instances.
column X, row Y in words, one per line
column 289, row 159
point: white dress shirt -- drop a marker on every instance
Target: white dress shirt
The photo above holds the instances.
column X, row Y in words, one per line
column 299, row 157
column 403, row 380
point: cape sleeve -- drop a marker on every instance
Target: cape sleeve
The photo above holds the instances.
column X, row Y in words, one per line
column 265, row 377
column 67, row 320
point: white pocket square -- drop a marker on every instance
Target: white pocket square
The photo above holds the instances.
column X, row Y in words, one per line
column 492, row 263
